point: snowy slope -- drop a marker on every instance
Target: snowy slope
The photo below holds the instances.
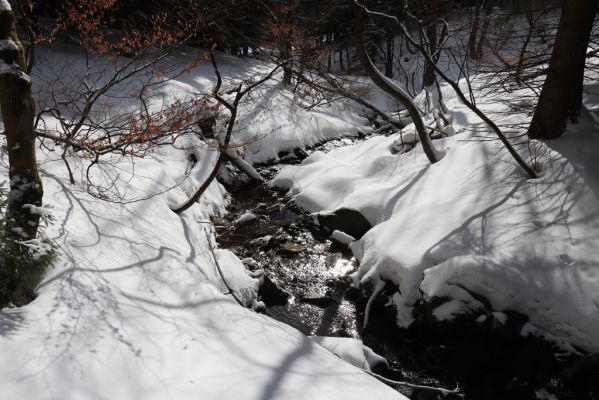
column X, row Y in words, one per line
column 134, row 306
column 270, row 119
column 472, row 223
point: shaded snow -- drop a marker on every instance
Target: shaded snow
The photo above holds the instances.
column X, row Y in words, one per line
column 351, row 350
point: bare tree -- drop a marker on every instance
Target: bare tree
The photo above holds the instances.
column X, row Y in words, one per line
column 469, row 103
column 112, row 106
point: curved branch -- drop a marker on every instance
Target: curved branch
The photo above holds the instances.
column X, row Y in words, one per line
column 529, row 170
column 388, row 86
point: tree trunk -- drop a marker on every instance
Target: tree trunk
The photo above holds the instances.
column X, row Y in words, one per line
column 347, row 58
column 287, row 71
column 561, row 96
column 330, row 51
column 484, row 29
column 26, row 191
column 428, row 78
column 389, row 51
column 432, row 14
column 474, row 31
column 530, row 19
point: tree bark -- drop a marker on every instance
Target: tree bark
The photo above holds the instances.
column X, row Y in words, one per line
column 389, row 51
column 18, row 112
column 561, row 95
column 474, row 31
column 21, row 220
column 432, row 13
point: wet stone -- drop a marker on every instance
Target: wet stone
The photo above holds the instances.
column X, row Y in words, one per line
column 270, row 293
column 346, row 220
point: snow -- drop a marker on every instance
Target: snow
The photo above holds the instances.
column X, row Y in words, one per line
column 135, row 306
column 140, row 303
column 342, row 237
column 244, row 287
column 404, row 311
column 42, row 211
column 246, row 217
column 7, row 44
column 351, row 350
column 473, row 222
column 37, row 247
column 499, row 317
column 447, row 311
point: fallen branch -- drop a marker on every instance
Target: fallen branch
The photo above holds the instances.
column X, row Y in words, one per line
column 232, row 107
column 380, row 285
column 222, row 276
column 244, row 166
column 445, row 392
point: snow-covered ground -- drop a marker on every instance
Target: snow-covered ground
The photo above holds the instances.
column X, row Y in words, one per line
column 134, row 306
column 473, row 223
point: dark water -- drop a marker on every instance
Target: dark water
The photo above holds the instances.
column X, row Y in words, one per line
column 298, row 256
column 314, row 273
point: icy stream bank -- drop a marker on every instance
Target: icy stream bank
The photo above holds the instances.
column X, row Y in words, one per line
column 488, row 359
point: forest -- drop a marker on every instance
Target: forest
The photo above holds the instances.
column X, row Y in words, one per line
column 299, row 199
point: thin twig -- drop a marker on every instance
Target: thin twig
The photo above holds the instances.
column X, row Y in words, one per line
column 222, row 276
column 457, row 391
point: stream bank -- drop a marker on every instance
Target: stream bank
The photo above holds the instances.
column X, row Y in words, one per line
column 310, row 292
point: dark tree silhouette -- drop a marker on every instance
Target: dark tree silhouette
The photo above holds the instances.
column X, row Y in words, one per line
column 561, row 96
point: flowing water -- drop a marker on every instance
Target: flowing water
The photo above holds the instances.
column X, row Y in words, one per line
column 298, row 256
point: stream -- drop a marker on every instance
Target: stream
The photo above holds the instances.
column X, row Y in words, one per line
column 308, row 290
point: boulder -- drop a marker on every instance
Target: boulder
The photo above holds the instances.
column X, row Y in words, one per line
column 269, row 292
column 346, row 220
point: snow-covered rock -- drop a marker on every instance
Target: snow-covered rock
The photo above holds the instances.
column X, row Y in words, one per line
column 245, row 218
column 342, row 237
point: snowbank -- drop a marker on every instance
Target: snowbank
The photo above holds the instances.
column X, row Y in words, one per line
column 472, row 223
column 351, row 350
column 135, row 305
column 271, row 119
